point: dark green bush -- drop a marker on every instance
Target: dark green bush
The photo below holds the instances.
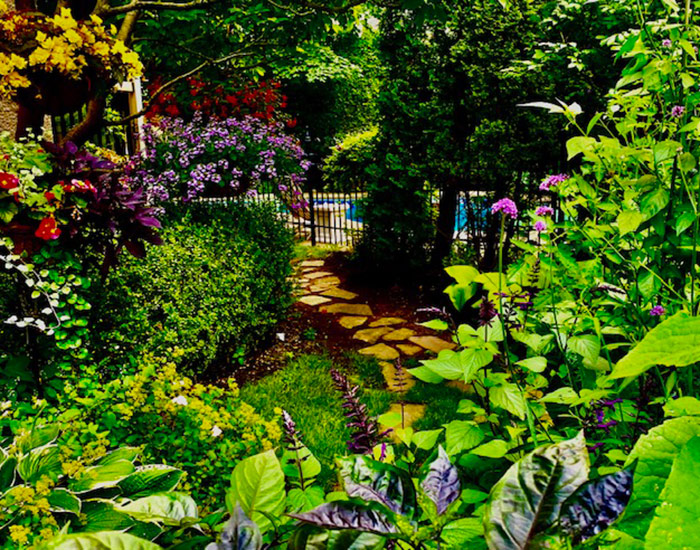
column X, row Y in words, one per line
column 215, row 289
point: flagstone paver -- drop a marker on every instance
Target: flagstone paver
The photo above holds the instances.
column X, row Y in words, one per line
column 431, row 343
column 399, row 334
column 315, row 287
column 371, row 335
column 348, row 309
column 395, row 383
column 411, row 413
column 313, row 263
column 409, row 349
column 313, row 300
column 318, row 274
column 381, row 352
column 335, row 292
column 334, row 281
column 386, row 321
column 352, row 321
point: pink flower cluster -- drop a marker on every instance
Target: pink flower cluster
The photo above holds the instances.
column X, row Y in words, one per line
column 507, row 206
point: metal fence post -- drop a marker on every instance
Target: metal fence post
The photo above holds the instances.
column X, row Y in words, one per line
column 312, row 216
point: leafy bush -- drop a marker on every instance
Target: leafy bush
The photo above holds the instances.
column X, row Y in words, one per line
column 346, row 168
column 215, row 289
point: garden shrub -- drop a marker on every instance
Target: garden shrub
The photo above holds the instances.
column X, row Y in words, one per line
column 215, row 289
column 346, row 168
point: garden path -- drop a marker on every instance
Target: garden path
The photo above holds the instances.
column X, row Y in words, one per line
column 389, row 338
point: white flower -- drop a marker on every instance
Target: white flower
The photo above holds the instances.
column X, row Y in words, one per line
column 180, row 400
column 216, row 431
column 281, row 336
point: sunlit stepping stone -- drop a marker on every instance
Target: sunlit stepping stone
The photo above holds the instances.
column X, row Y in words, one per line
column 312, row 263
column 348, row 309
column 313, row 300
column 371, row 335
column 332, row 281
column 399, row 334
column 351, row 321
column 335, row 292
column 410, row 414
column 409, row 349
column 318, row 274
column 432, row 343
column 387, row 321
column 381, row 352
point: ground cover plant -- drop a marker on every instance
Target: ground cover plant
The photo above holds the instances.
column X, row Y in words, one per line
column 559, row 405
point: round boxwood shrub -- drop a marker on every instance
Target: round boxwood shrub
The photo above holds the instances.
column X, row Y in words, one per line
column 214, row 289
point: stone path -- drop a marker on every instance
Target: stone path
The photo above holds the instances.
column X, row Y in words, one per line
column 387, row 338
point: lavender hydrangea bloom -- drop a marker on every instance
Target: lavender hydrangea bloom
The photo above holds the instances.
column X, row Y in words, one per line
column 553, row 181
column 507, row 206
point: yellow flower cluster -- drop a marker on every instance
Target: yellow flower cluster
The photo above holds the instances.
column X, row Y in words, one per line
column 63, row 45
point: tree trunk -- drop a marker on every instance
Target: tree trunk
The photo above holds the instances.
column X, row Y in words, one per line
column 80, row 133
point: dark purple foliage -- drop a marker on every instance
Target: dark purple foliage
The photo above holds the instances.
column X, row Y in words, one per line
column 344, row 515
column 239, row 533
column 365, row 430
column 441, row 484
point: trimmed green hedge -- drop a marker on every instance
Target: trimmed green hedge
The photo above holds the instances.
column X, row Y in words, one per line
column 214, row 290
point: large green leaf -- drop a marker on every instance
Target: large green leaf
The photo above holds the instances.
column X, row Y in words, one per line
column 301, row 458
column 677, row 522
column 257, row 484
column 459, row 365
column 461, row 435
column 654, row 454
column 463, row 533
column 41, row 461
column 148, row 480
column 107, row 540
column 98, row 477
column 509, row 397
column 166, row 508
column 674, row 342
column 528, row 498
column 61, row 500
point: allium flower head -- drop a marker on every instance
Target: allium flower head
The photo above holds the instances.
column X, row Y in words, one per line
column 677, row 111
column 506, row 206
column 544, row 211
column 553, row 181
column 540, row 226
column 657, row 311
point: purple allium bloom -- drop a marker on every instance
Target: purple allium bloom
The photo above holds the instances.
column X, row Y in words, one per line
column 666, row 43
column 677, row 111
column 657, row 311
column 540, row 226
column 544, row 211
column 553, row 181
column 506, row 206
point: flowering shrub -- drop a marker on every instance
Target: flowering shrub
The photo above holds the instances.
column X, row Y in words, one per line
column 261, row 100
column 220, row 158
column 33, row 45
column 201, row 429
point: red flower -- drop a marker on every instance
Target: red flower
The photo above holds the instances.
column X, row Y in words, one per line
column 292, row 123
column 8, row 181
column 172, row 110
column 48, row 230
column 49, row 196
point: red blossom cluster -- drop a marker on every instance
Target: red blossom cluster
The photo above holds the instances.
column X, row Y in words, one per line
column 262, row 100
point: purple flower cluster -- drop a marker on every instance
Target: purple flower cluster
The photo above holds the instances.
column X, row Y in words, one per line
column 657, row 311
column 553, row 181
column 231, row 156
column 507, row 206
column 544, row 211
column 540, row 226
column 677, row 111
